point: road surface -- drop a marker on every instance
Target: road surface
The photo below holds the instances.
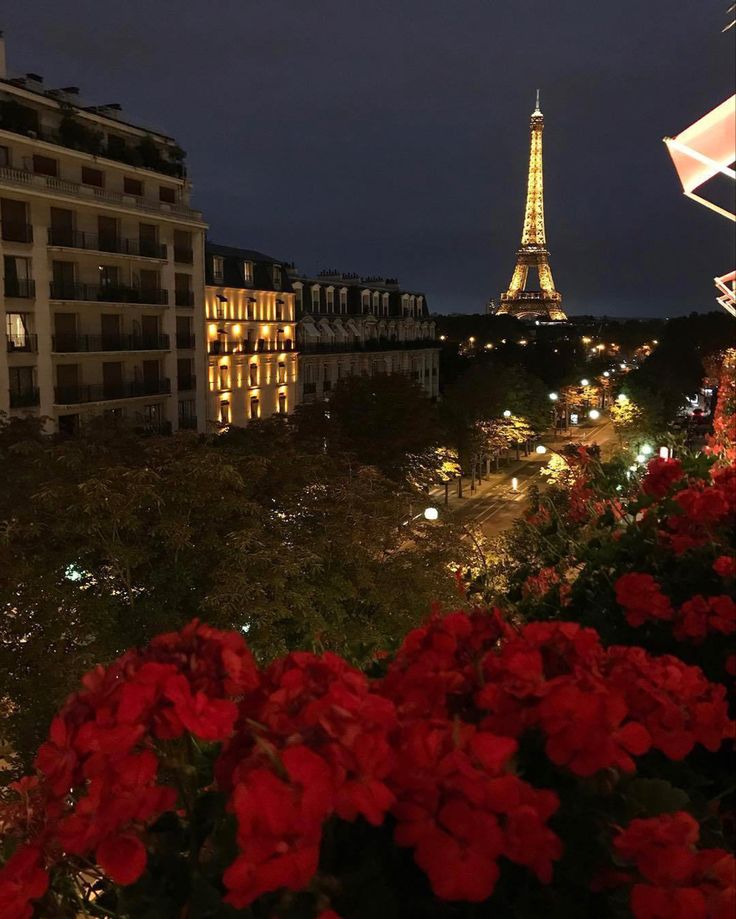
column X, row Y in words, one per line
column 495, row 505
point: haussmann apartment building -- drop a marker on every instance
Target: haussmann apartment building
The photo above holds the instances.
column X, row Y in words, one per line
column 102, row 260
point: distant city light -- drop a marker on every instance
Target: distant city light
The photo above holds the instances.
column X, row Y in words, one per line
column 646, row 450
column 585, row 382
column 594, row 414
column 541, row 449
column 606, row 373
column 431, row 513
column 472, row 339
column 553, row 396
column 443, row 337
column 507, row 414
column 640, row 458
column 622, row 397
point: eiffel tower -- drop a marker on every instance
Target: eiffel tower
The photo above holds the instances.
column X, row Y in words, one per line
column 545, row 303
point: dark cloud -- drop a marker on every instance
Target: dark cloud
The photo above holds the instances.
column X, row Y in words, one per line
column 392, row 136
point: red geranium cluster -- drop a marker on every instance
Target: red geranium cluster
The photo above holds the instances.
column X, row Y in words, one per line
column 701, row 508
column 673, row 879
column 434, row 744
column 643, row 601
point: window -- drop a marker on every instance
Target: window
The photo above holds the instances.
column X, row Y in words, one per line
column 218, row 269
column 277, row 277
column 108, row 276
column 376, row 300
column 14, row 221
column 343, row 299
column 16, row 329
column 224, row 412
column 254, row 407
column 184, row 332
column 248, row 272
column 45, row 165
column 187, row 413
column 224, row 376
column 167, row 194
column 253, row 374
column 298, row 298
column 133, row 187
column 420, row 306
column 282, row 373
column 183, row 251
column 365, row 301
column 18, row 281
column 279, row 310
column 282, row 403
column 315, row 298
column 185, row 373
column 183, row 293
column 4, row 156
column 330, row 297
column 148, row 244
column 385, row 304
column 94, row 177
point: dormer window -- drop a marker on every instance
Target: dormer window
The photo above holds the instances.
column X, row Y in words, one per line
column 248, row 272
column 365, row 301
column 218, row 269
column 277, row 277
column 385, row 304
column 330, row 297
column 420, row 306
column 315, row 298
column 343, row 299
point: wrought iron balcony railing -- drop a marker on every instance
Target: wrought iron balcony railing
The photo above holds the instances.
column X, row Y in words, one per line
column 76, row 239
column 118, row 293
column 106, row 392
column 16, row 232
column 27, row 343
column 72, row 344
column 23, row 288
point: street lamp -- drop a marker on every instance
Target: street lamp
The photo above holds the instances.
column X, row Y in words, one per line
column 507, row 414
column 541, row 449
column 431, row 513
column 553, row 396
column 585, row 382
column 514, row 484
column 606, row 373
column 622, row 398
column 594, row 414
column 646, row 450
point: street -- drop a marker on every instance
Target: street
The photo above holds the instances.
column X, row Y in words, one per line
column 496, row 504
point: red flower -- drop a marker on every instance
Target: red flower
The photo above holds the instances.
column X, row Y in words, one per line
column 701, row 615
column 122, row 858
column 641, row 598
column 22, row 879
column 208, row 718
column 725, row 566
column 661, row 476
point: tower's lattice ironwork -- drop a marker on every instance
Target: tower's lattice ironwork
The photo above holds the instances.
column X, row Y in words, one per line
column 545, row 303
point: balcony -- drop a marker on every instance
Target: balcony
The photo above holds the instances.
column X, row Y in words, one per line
column 24, row 398
column 74, row 344
column 183, row 255
column 75, row 239
column 61, row 290
column 186, row 341
column 16, row 232
column 23, row 344
column 233, row 346
column 108, row 392
column 25, row 179
column 184, row 297
column 22, row 288
column 187, row 384
column 367, row 346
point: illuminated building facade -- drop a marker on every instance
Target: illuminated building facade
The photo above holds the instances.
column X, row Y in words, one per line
column 544, row 302
column 102, row 265
column 358, row 326
column 250, row 330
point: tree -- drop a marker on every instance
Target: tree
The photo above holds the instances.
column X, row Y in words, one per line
column 109, row 539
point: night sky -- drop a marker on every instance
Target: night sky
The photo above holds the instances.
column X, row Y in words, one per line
column 390, row 137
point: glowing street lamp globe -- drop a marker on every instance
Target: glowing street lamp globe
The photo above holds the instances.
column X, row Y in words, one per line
column 585, row 382
column 431, row 513
column 553, row 396
column 507, row 413
column 594, row 414
column 647, row 450
column 622, row 397
column 540, row 449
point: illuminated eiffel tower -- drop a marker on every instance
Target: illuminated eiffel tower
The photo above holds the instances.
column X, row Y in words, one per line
column 545, row 303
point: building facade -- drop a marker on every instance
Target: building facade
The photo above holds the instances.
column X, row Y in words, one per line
column 250, row 331
column 102, row 260
column 349, row 325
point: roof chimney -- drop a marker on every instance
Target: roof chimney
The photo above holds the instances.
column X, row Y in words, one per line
column 3, row 68
column 34, row 82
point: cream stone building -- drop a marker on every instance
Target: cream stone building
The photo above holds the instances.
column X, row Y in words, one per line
column 350, row 325
column 102, row 260
column 250, row 330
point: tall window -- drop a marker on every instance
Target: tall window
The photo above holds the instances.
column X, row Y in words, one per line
column 343, row 299
column 16, row 329
column 315, row 298
column 282, row 403
column 224, row 412
column 365, row 301
column 385, row 304
column 218, row 269
column 277, row 277
column 224, row 383
column 330, row 296
column 248, row 272
column 253, row 374
column 254, row 407
column 376, row 301
column 282, row 372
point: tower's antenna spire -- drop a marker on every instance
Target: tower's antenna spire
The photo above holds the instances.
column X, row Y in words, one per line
column 537, row 108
